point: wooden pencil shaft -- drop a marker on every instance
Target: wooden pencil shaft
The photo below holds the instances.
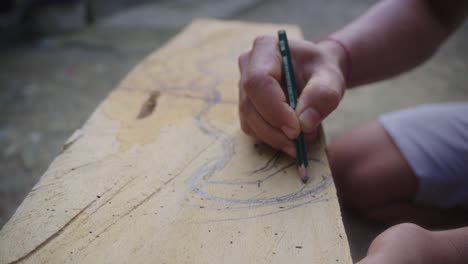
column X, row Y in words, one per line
column 290, row 81
column 302, row 145
column 288, row 71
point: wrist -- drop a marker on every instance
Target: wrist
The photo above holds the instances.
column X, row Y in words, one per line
column 339, row 55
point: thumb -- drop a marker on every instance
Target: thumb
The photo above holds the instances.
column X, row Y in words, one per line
column 318, row 99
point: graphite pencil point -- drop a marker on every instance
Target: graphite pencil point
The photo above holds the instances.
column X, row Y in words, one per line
column 303, row 173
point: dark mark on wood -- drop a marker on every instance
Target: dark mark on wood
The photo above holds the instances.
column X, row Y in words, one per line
column 299, row 247
column 54, row 235
column 136, row 206
column 149, row 105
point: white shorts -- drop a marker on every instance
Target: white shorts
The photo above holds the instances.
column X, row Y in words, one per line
column 434, row 141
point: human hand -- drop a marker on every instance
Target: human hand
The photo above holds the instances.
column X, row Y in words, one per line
column 263, row 107
column 409, row 243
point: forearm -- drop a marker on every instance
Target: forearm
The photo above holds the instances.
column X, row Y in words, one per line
column 395, row 36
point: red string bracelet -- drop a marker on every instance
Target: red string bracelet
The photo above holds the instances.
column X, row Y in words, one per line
column 348, row 62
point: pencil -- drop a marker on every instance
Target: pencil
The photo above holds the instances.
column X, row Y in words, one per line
column 290, row 81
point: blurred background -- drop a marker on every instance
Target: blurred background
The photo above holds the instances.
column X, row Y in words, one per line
column 60, row 58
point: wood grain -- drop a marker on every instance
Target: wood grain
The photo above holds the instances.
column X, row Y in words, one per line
column 161, row 173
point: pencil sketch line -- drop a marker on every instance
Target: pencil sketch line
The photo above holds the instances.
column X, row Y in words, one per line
column 264, row 214
column 252, row 182
column 272, row 200
column 275, row 157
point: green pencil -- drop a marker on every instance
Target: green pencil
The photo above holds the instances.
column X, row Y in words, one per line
column 290, row 81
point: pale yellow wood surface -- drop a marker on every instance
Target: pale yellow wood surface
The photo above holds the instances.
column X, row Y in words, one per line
column 180, row 184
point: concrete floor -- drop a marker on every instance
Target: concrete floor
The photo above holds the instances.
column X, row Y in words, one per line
column 50, row 86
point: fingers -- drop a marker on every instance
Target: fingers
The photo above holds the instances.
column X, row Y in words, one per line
column 253, row 123
column 263, row 108
column 260, row 80
column 265, row 57
column 246, row 128
column 243, row 113
column 243, row 62
column 319, row 98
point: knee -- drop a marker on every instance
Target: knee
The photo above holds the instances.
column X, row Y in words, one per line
column 369, row 171
column 352, row 180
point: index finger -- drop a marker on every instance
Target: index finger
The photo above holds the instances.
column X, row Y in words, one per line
column 261, row 83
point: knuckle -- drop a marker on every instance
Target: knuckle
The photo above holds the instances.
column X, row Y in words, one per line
column 254, row 79
column 244, row 108
column 274, row 143
column 260, row 40
column 242, row 59
column 246, row 128
column 283, row 144
column 275, row 139
column 330, row 97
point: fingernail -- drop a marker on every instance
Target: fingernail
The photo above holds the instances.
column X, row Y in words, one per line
column 290, row 132
column 300, row 106
column 309, row 119
column 290, row 150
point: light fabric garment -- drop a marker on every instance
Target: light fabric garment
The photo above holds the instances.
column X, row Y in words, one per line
column 434, row 141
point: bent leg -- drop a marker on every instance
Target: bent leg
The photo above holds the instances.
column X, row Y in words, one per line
column 373, row 178
column 369, row 171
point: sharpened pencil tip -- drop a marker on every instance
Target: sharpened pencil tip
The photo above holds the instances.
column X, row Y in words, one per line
column 303, row 173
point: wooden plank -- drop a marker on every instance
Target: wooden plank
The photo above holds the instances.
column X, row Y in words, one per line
column 161, row 173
